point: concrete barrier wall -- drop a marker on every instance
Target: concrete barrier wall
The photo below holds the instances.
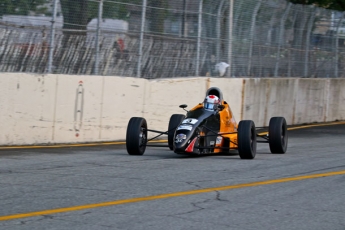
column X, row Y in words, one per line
column 335, row 106
column 299, row 100
column 48, row 109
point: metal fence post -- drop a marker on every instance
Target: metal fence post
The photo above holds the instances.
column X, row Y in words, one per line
column 309, row 30
column 251, row 36
column 336, row 70
column 281, row 37
column 293, row 21
column 141, row 41
column 184, row 19
column 199, row 39
column 231, row 16
column 99, row 20
column 52, row 38
column 218, row 28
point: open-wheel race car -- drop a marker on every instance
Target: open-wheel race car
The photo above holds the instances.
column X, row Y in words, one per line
column 209, row 128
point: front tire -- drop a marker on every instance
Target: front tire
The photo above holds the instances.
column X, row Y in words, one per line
column 136, row 136
column 277, row 132
column 174, row 121
column 246, row 137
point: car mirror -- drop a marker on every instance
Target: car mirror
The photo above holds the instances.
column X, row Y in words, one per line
column 184, row 106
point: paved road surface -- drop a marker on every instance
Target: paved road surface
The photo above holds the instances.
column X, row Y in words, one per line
column 104, row 188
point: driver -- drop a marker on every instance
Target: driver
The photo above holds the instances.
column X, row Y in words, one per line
column 211, row 103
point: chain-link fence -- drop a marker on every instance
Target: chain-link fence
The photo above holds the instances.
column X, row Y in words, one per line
column 173, row 38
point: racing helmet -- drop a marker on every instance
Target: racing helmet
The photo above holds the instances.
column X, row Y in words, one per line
column 211, row 102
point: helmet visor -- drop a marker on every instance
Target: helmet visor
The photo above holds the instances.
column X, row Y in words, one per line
column 209, row 106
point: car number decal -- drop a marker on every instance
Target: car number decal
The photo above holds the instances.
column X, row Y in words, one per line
column 180, row 137
column 219, row 140
column 185, row 127
column 191, row 121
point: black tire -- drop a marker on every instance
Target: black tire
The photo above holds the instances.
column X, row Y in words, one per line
column 136, row 136
column 277, row 135
column 174, row 121
column 246, row 137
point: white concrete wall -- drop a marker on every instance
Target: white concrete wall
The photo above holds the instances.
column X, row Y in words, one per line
column 26, row 108
column 335, row 106
column 162, row 98
column 47, row 109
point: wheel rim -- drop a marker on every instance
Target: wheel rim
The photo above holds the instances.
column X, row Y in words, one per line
column 252, row 139
column 283, row 135
column 142, row 138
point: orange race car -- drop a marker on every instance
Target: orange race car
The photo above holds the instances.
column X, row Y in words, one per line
column 209, row 128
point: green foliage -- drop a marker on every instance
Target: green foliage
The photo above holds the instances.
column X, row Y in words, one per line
column 21, row 7
column 116, row 9
column 78, row 13
column 328, row 4
column 157, row 15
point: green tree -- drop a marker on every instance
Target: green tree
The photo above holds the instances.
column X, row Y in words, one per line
column 75, row 15
column 156, row 14
column 21, row 7
column 328, row 4
column 78, row 13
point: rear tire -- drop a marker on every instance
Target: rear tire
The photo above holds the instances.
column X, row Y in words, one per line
column 277, row 132
column 246, row 137
column 136, row 136
column 175, row 120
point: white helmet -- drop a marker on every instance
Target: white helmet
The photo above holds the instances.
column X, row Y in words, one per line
column 211, row 102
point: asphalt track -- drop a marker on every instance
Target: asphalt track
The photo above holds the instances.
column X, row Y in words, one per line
column 101, row 187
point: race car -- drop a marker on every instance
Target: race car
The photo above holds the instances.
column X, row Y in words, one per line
column 209, row 128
